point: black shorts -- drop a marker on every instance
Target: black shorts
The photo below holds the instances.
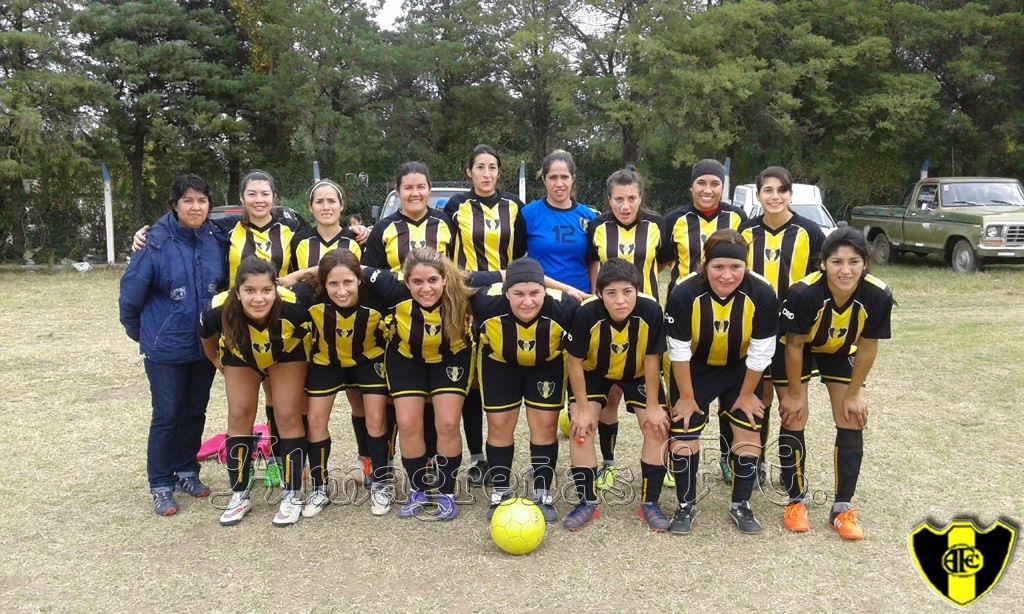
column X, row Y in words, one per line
column 835, row 368
column 228, row 359
column 776, row 373
column 367, row 376
column 504, row 387
column 633, row 391
column 709, row 384
column 407, row 377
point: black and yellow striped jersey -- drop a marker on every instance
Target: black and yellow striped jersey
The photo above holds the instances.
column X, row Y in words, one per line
column 616, row 351
column 307, row 252
column 828, row 328
column 640, row 243
column 686, row 230
column 393, row 237
column 271, row 243
column 267, row 343
column 718, row 329
column 489, row 232
column 783, row 255
column 345, row 336
column 506, row 339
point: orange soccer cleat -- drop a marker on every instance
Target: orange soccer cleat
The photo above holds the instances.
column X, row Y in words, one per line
column 847, row 526
column 795, row 518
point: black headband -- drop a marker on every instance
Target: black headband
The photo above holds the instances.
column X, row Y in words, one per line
column 727, row 250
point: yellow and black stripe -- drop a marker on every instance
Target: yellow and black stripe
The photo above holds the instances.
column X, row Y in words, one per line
column 783, row 255
column 271, row 243
column 506, row 339
column 419, row 333
column 829, row 328
column 306, row 253
column 686, row 231
column 616, row 351
column 395, row 236
column 345, row 337
column 489, row 232
column 269, row 343
column 639, row 243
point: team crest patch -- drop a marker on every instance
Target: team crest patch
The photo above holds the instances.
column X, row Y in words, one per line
column 261, row 348
column 546, row 389
column 345, row 333
column 432, row 329
column 417, row 244
column 961, row 562
column 493, row 225
column 526, row 345
column 642, row 388
column 703, row 238
column 263, row 246
column 772, row 255
column 626, row 249
column 620, row 348
column 455, row 373
column 722, row 326
column 837, row 332
column 584, row 224
column 378, row 368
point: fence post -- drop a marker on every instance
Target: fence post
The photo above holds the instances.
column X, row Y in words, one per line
column 108, row 213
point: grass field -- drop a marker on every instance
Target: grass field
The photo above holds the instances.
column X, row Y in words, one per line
column 77, row 531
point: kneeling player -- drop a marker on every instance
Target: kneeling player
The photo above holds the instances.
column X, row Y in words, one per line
column 837, row 316
column 617, row 338
column 722, row 323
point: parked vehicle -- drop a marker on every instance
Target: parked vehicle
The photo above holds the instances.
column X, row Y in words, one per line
column 440, row 192
column 969, row 220
column 235, row 212
column 806, row 202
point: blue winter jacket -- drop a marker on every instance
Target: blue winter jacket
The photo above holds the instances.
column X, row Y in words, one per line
column 167, row 285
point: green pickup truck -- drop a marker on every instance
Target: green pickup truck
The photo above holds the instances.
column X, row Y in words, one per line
column 969, row 220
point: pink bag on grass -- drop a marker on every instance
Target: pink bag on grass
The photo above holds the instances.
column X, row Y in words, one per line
column 215, row 446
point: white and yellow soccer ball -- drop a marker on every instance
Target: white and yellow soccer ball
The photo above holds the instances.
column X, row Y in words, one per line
column 517, row 526
column 563, row 422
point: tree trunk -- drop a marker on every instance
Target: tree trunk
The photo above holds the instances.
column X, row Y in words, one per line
column 630, row 147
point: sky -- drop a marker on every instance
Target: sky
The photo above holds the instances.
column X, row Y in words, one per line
column 387, row 15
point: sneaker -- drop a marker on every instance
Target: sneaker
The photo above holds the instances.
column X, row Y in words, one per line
column 845, row 523
column 547, row 507
column 682, row 521
column 584, row 512
column 743, row 517
column 606, row 477
column 413, row 504
column 476, row 475
column 723, row 464
column 382, row 495
column 316, row 503
column 447, row 509
column 238, row 507
column 367, row 471
column 651, row 514
column 192, row 486
column 289, row 511
column 272, row 476
column 795, row 518
column 164, row 503
column 497, row 498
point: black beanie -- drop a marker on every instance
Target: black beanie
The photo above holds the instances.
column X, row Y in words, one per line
column 523, row 270
column 708, row 167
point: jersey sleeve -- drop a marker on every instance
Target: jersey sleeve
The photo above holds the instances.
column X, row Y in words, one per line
column 298, row 314
column 519, row 232
column 210, row 322
column 578, row 340
column 878, row 324
column 304, row 293
column 564, row 309
column 482, row 279
column 655, row 319
column 293, row 247
column 486, row 306
column 766, row 311
column 373, row 254
column 798, row 311
column 384, row 286
column 817, row 238
column 667, row 252
column 591, row 255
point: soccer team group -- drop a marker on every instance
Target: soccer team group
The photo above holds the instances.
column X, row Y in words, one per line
column 433, row 319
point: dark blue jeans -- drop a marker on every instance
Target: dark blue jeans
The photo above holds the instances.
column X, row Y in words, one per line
column 180, row 394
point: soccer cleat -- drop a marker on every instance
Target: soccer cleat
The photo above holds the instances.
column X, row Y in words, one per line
column 447, row 509
column 316, row 503
column 795, row 518
column 272, row 476
column 583, row 513
column 743, row 517
column 164, row 503
column 651, row 514
column 367, row 471
column 845, row 523
column 476, row 474
column 289, row 511
column 238, row 507
column 382, row 495
column 413, row 505
column 682, row 521
column 606, row 477
column 547, row 508
column 192, row 486
column 723, row 464
column 497, row 498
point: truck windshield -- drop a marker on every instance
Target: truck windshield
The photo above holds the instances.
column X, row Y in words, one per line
column 815, row 213
column 982, row 194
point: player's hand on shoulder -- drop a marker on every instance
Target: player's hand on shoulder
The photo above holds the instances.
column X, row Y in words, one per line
column 139, row 238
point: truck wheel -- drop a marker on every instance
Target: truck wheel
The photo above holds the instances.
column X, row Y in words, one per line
column 963, row 259
column 881, row 249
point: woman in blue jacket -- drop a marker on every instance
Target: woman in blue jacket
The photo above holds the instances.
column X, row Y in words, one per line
column 163, row 291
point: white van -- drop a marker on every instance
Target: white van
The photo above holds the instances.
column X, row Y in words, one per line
column 806, row 201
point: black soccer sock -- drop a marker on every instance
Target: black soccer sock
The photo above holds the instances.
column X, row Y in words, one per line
column 584, row 479
column 416, row 470
column 764, row 431
column 275, row 436
column 448, row 467
column 359, row 428
column 653, row 477
column 744, row 468
column 305, row 425
column 684, row 469
column 792, row 451
column 377, row 447
column 473, row 422
column 319, row 456
column 429, row 430
column 724, row 435
column 499, row 461
column 607, row 434
column 848, row 456
column 240, row 461
column 293, row 458
column 543, row 458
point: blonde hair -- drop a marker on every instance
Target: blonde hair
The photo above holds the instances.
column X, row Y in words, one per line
column 454, row 297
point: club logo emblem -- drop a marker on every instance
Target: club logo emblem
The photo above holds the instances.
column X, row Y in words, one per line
column 432, row 329
column 837, row 332
column 961, row 562
column 620, row 348
column 546, row 389
column 772, row 255
column 721, row 326
column 642, row 388
column 703, row 238
column 455, row 373
column 527, row 345
column 493, row 225
column 417, row 244
column 261, row 348
column 626, row 249
column 378, row 368
column 584, row 224
column 345, row 333
column 263, row 246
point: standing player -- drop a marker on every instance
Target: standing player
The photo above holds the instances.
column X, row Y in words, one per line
column 783, row 249
column 617, row 338
column 519, row 326
column 489, row 233
column 837, row 316
column 722, row 327
column 252, row 332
